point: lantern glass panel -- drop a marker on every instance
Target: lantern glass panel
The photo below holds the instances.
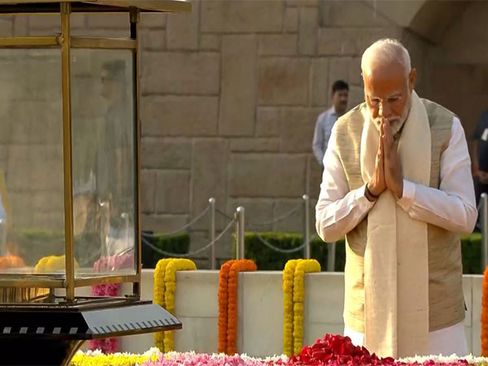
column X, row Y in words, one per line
column 103, row 133
column 31, row 160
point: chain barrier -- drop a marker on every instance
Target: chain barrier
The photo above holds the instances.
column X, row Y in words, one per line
column 280, row 250
column 194, row 220
column 190, row 254
column 278, row 219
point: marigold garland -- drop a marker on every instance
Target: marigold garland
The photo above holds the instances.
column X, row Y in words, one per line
column 484, row 315
column 228, row 280
column 288, row 274
column 293, row 299
column 164, row 293
column 223, row 309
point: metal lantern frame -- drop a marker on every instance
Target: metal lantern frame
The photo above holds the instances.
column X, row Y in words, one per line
column 66, row 42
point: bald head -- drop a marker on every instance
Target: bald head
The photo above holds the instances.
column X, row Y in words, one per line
column 385, row 52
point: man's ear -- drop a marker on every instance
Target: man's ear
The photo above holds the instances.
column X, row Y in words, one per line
column 412, row 78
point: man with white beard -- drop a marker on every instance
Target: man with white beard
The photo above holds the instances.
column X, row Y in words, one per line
column 397, row 184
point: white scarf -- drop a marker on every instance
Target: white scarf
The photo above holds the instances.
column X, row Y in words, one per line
column 396, row 253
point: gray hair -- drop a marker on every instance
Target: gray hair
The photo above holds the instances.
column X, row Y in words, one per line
column 387, row 50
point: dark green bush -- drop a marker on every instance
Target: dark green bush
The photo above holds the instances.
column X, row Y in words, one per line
column 179, row 243
column 472, row 257
column 268, row 259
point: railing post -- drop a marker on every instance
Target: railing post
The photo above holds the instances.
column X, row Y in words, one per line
column 240, row 250
column 484, row 228
column 306, row 232
column 211, row 235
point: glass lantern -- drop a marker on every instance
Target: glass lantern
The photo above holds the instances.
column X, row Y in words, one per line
column 69, row 167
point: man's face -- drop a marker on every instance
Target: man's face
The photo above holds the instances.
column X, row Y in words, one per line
column 339, row 100
column 387, row 91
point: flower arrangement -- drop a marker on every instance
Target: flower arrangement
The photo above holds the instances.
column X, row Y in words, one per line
column 227, row 320
column 288, row 274
column 154, row 357
column 484, row 315
column 108, row 264
column 223, row 299
column 164, row 293
column 97, row 358
column 330, row 350
column 293, row 299
column 52, row 263
column 11, row 261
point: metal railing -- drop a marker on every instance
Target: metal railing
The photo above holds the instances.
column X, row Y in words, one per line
column 238, row 219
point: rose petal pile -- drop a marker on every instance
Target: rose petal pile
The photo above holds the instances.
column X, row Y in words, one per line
column 335, row 350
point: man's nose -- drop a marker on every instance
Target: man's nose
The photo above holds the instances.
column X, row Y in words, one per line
column 384, row 110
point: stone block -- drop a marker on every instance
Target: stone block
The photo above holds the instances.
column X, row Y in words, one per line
column 148, row 189
column 102, row 21
column 181, row 73
column 324, row 290
column 200, row 333
column 291, row 212
column 261, row 314
column 356, row 13
column 302, row 3
column 297, row 128
column 315, row 177
column 477, row 283
column 307, row 32
column 320, row 83
column 356, row 96
column 6, row 26
column 153, row 20
column 268, row 122
column 201, row 286
column 258, row 212
column 209, row 175
column 283, row 81
column 20, row 26
column 238, row 85
column 44, row 22
column 210, row 42
column 28, row 164
column 163, row 223
column 278, row 44
column 339, row 68
column 182, row 29
column 166, row 153
column 254, row 144
column 355, row 77
column 251, row 16
column 351, row 41
column 153, row 40
column 290, row 22
column 179, row 116
column 86, row 31
column 267, row 175
column 172, row 191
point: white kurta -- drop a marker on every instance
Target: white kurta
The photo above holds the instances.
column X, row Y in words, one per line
column 452, row 207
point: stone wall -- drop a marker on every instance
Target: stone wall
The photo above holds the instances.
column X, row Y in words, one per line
column 230, row 94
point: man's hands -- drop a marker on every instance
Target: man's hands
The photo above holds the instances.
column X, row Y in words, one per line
column 388, row 172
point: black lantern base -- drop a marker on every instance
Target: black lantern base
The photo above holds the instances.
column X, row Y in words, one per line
column 50, row 334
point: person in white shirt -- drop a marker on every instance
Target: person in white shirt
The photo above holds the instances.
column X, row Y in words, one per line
column 397, row 184
column 326, row 120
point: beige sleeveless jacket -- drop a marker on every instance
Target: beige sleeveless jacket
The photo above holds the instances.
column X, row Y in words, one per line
column 446, row 303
